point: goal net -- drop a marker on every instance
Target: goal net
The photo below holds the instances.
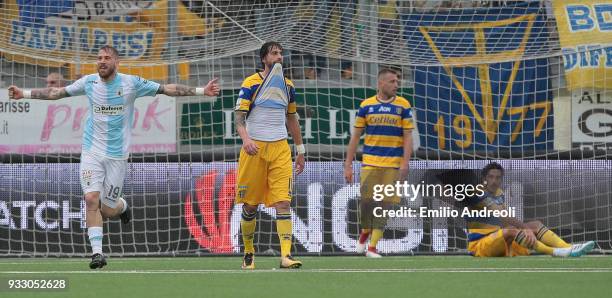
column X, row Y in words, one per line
column 522, row 83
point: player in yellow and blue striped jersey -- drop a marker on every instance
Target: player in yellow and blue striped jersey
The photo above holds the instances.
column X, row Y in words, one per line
column 508, row 236
column 265, row 112
column 387, row 122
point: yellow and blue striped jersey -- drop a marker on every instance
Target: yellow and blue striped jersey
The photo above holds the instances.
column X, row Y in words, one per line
column 267, row 102
column 479, row 227
column 385, row 125
column 249, row 88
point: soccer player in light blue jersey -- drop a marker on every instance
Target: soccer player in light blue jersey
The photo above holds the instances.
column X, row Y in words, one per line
column 107, row 135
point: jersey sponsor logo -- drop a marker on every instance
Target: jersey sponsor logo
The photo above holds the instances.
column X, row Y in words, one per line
column 383, row 120
column 108, row 110
column 86, row 175
column 384, row 109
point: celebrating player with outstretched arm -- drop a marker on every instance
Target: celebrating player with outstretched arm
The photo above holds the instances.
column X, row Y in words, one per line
column 107, row 134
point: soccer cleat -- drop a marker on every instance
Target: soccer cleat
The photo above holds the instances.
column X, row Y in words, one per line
column 248, row 261
column 578, row 250
column 372, row 253
column 575, row 250
column 289, row 262
column 587, row 247
column 97, row 261
column 360, row 248
column 126, row 216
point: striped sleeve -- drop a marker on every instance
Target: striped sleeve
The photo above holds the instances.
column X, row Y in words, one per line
column 244, row 98
column 407, row 121
column 144, row 87
column 77, row 88
column 360, row 119
column 292, row 107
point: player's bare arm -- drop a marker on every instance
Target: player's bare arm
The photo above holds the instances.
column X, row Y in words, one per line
column 403, row 173
column 211, row 89
column 52, row 93
column 293, row 126
column 247, row 144
column 350, row 154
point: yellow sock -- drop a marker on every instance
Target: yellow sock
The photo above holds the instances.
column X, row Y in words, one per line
column 549, row 238
column 247, row 225
column 284, row 230
column 538, row 246
column 376, row 235
column 543, row 248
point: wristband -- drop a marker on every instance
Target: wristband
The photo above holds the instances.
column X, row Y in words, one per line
column 199, row 91
column 300, row 149
column 27, row 93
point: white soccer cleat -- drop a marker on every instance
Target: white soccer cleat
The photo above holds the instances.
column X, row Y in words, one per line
column 575, row 251
column 360, row 248
column 372, row 254
column 582, row 249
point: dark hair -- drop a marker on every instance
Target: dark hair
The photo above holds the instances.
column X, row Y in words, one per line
column 491, row 166
column 266, row 48
column 385, row 71
column 110, row 49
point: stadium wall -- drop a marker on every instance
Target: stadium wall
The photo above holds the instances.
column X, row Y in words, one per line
column 181, row 208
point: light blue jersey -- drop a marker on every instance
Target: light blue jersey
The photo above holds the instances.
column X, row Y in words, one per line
column 111, row 111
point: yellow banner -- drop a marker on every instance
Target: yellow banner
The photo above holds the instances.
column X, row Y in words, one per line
column 585, row 32
column 49, row 35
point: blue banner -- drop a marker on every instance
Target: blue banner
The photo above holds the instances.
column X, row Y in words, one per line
column 484, row 91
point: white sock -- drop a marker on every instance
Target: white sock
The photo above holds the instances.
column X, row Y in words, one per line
column 125, row 205
column 95, row 239
column 562, row 252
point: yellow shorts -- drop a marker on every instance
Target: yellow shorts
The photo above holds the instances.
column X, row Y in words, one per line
column 494, row 245
column 371, row 176
column 265, row 178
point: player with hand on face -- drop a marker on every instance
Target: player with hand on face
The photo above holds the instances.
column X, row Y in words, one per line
column 265, row 111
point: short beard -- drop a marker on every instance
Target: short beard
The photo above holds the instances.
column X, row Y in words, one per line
column 271, row 65
column 111, row 72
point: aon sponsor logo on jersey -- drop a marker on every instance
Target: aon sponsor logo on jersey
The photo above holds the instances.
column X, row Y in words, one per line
column 108, row 110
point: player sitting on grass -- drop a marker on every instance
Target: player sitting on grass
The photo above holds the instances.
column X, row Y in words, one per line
column 508, row 236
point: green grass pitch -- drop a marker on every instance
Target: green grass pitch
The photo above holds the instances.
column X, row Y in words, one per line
column 398, row 276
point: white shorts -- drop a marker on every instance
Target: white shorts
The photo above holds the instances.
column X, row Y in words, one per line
column 104, row 175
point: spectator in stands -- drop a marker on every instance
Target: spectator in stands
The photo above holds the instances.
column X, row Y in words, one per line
column 431, row 5
column 347, row 10
column 388, row 28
